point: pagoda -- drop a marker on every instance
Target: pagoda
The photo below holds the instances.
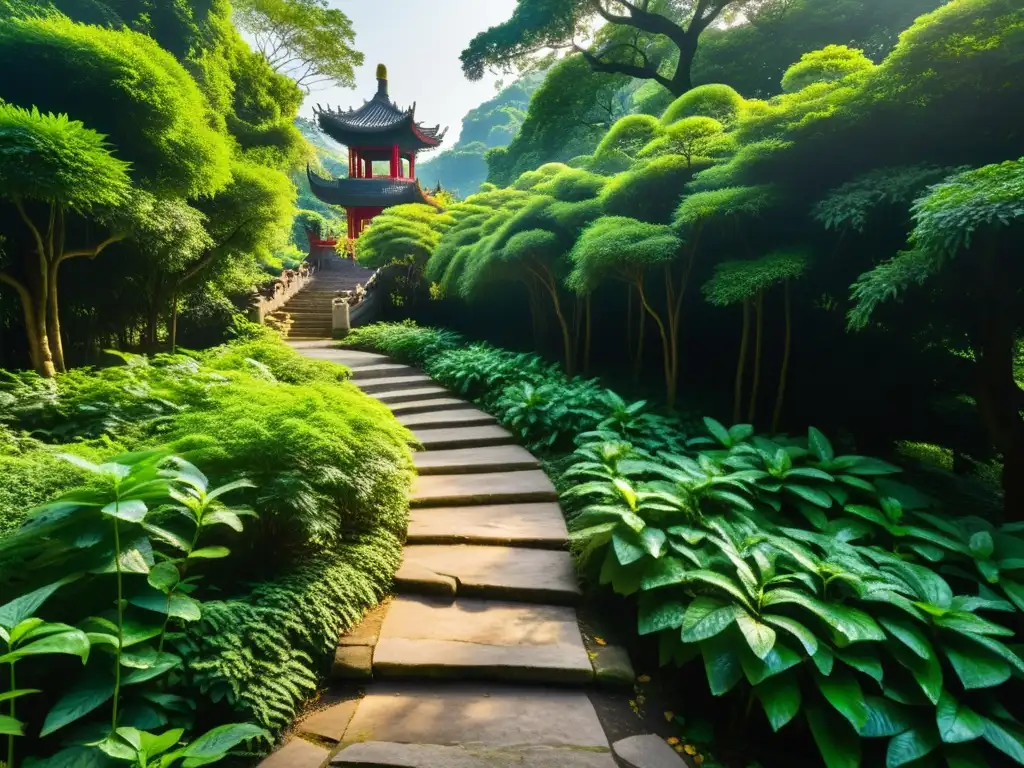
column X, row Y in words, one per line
column 381, row 132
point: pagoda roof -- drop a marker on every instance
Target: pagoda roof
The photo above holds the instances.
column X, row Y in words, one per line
column 380, row 192
column 379, row 122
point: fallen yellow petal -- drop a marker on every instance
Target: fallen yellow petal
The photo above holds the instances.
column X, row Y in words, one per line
column 672, row 740
column 698, row 759
column 669, row 714
column 678, row 747
column 644, row 679
column 691, row 750
column 600, row 641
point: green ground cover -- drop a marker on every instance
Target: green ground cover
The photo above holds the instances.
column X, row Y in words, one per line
column 305, row 538
column 819, row 591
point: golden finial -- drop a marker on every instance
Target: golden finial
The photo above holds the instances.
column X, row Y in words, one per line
column 382, row 72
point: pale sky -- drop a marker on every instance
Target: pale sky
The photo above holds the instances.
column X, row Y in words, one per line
column 420, row 42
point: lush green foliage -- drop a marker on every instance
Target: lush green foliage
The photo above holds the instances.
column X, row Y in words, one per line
column 325, row 469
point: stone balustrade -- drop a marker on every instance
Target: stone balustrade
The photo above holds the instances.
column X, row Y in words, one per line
column 276, row 294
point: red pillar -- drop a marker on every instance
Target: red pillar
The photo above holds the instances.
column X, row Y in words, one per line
column 351, row 163
column 394, row 161
column 412, row 165
column 350, row 214
column 369, row 168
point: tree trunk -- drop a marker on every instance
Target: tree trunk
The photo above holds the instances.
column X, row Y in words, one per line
column 53, row 325
column 758, row 347
column 670, row 393
column 28, row 309
column 787, row 349
column 737, row 397
column 587, row 339
column 174, row 322
column 548, row 281
column 638, row 360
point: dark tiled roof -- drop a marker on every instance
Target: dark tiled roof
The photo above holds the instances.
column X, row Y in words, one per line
column 379, row 117
column 366, row 193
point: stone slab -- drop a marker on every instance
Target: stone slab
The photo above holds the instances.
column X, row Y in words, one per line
column 352, row 662
column 297, row 753
column 481, row 639
column 392, row 383
column 426, row 406
column 377, row 754
column 489, row 714
column 330, row 723
column 483, row 488
column 463, row 417
column 417, row 578
column 539, row 526
column 407, row 395
column 495, row 458
column 647, row 751
column 377, row 370
column 612, row 667
column 463, row 437
column 500, row 573
column 366, row 631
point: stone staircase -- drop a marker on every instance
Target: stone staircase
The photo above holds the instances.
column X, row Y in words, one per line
column 479, row 660
column 310, row 309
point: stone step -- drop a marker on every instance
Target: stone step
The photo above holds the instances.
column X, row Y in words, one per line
column 463, row 437
column 494, row 458
column 377, row 754
column 426, row 406
column 466, row 638
column 466, row 725
column 482, row 488
column 537, row 526
column 406, row 395
column 382, row 369
column 391, row 383
column 463, row 417
column 492, row 572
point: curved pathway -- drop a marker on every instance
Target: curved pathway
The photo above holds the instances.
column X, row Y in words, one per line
column 478, row 662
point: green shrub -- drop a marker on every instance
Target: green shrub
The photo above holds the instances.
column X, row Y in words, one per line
column 811, row 583
column 716, row 101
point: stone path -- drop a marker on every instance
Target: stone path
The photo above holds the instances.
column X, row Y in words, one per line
column 478, row 662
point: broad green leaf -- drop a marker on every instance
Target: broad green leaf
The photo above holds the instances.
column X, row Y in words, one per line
column 850, row 623
column 692, row 536
column 810, row 473
column 82, row 698
column 706, row 617
column 760, row 637
column 19, row 609
column 740, row 432
column 164, row 577
column 653, row 540
column 626, row 491
column 910, row 635
column 1014, row 590
column 999, row 649
column 8, row 695
column 982, row 545
column 157, row 744
column 720, row 433
column 815, row 496
column 844, row 693
column 819, row 445
column 780, row 698
column 957, row 723
column 10, row 726
column 132, row 511
column 209, row 553
column 911, row 745
column 837, row 742
column 863, row 658
column 72, row 642
column 871, row 514
column 863, row 466
column 857, row 482
column 779, row 659
column 177, row 606
column 927, row 672
column 655, row 615
column 223, row 517
column 721, row 663
column 886, row 717
column 164, row 663
column 228, row 487
column 969, row 624
column 724, row 583
column 976, row 667
column 662, row 573
column 796, row 629
column 626, row 547
column 595, row 536
column 219, row 741
column 1008, row 741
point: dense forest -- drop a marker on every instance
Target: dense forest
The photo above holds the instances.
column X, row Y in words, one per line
column 741, row 273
